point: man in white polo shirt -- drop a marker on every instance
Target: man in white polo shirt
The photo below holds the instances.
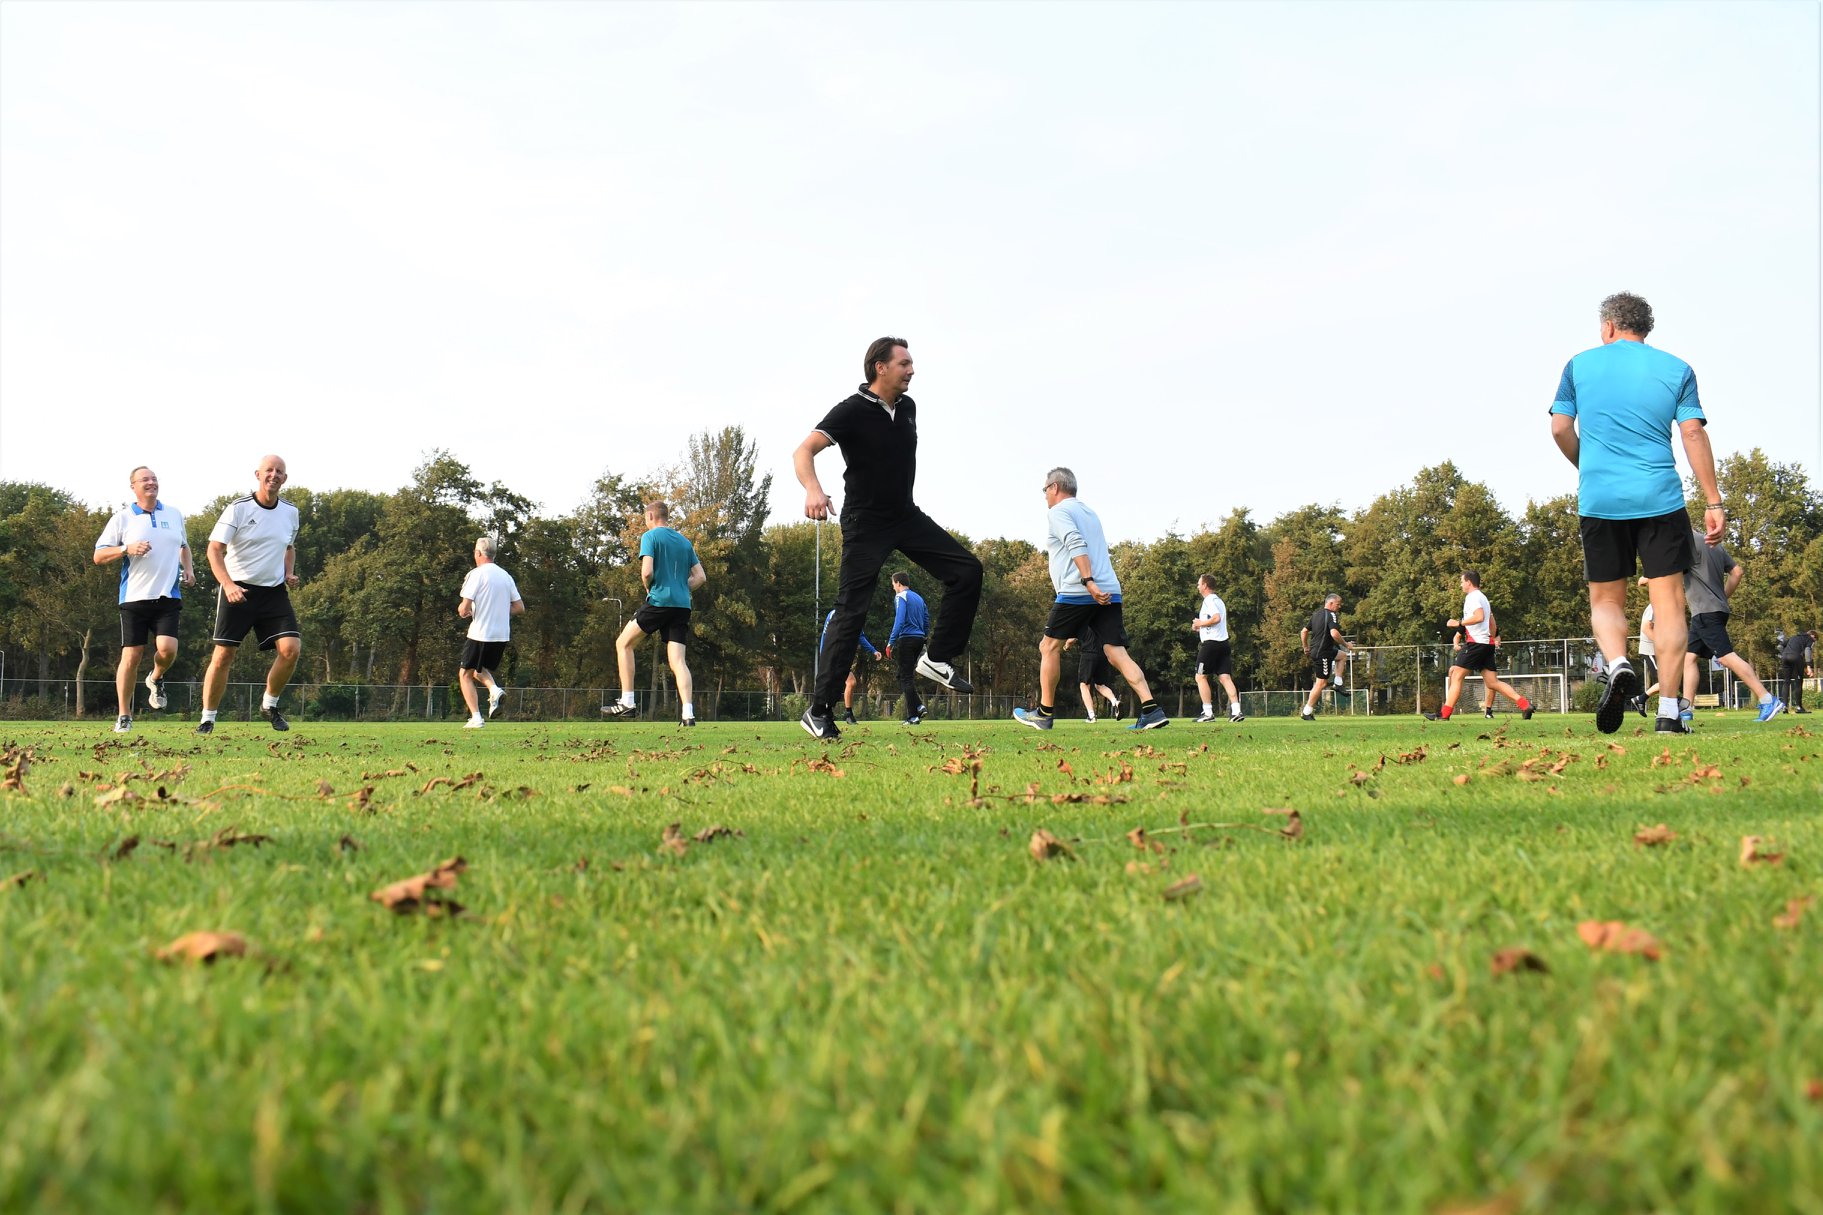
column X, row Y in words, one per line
column 147, row 538
column 1214, row 655
column 252, row 552
column 1475, row 651
column 490, row 600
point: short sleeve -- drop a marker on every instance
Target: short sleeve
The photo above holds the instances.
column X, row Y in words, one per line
column 838, row 424
column 691, row 549
column 512, row 590
column 225, row 527
column 1566, row 391
column 114, row 533
column 1728, row 561
column 646, row 544
column 1688, row 404
column 468, row 585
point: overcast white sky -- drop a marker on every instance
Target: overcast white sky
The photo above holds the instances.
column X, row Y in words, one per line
column 1207, row 254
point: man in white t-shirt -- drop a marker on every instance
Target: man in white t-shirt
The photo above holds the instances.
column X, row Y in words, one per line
column 252, row 553
column 147, row 538
column 1214, row 656
column 490, row 600
column 1476, row 651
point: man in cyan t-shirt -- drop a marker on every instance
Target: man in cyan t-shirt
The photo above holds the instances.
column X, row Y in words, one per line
column 1612, row 418
column 670, row 570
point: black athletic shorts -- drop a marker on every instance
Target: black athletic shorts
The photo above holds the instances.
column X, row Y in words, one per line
column 1660, row 546
column 1709, row 635
column 1096, row 624
column 266, row 610
column 1476, row 656
column 672, row 622
column 1323, row 666
column 1094, row 669
column 145, row 618
column 1214, row 658
column 482, row 655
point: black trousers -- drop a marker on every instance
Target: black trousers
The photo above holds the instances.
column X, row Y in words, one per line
column 905, row 653
column 867, row 541
column 1794, row 682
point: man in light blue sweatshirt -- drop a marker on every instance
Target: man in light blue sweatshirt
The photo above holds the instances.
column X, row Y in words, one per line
column 1088, row 603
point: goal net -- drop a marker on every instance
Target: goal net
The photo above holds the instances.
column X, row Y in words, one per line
column 1548, row 692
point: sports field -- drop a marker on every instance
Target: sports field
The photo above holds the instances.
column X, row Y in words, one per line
column 866, row 994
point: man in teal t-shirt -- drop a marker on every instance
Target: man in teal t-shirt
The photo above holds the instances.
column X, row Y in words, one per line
column 1615, row 409
column 670, row 570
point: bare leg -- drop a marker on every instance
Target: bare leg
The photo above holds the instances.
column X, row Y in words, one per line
column 125, row 676
column 215, row 679
column 1316, row 693
column 1088, row 698
column 1670, row 631
column 848, row 693
column 466, row 678
column 1455, row 692
column 1202, row 686
column 1234, row 697
column 1608, row 621
column 1129, row 671
column 164, row 656
column 1743, row 672
column 680, row 671
column 1493, row 683
column 1050, row 666
column 623, row 649
column 284, row 662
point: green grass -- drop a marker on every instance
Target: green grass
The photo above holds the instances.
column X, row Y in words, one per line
column 875, row 999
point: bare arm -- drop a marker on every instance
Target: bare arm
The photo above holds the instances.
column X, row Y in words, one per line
column 1702, row 467
column 804, row 463
column 1304, row 638
column 291, row 556
column 466, row 608
column 1734, row 581
column 1563, row 432
column 697, row 577
column 189, row 570
column 517, row 607
column 218, row 565
column 645, row 572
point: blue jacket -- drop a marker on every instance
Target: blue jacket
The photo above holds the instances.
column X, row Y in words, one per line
column 866, row 645
column 910, row 619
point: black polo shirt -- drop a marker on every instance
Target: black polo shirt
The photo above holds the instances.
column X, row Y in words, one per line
column 880, row 449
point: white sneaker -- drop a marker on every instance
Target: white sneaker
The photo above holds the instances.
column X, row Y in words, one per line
column 1090, row 719
column 473, row 723
column 943, row 673
column 155, row 691
column 1207, row 715
column 494, row 698
column 123, row 724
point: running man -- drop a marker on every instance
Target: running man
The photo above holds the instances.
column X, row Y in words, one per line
column 1327, row 650
column 1795, row 654
column 147, row 538
column 670, row 571
column 1087, row 605
column 252, row 553
column 855, row 675
column 490, row 600
column 1715, row 576
column 877, row 430
column 1475, row 651
column 911, row 620
column 1214, row 656
column 1612, row 418
column 1093, row 675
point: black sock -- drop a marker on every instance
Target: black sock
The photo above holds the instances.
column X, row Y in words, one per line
column 1148, row 706
column 1047, row 710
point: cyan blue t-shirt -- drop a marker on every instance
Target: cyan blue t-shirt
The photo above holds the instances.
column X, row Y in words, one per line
column 1625, row 397
column 672, row 558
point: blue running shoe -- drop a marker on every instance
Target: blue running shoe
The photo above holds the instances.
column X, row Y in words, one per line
column 1038, row 721
column 1771, row 709
column 1155, row 720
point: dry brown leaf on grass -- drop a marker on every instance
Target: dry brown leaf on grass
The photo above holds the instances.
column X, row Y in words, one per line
column 718, row 831
column 825, row 764
column 362, row 799
column 1651, row 837
column 415, row 893
column 1814, row 1090
column 1612, row 936
column 1461, row 778
column 324, row 788
column 1045, row 846
column 1517, row 958
column 347, row 844
column 1756, row 850
column 1294, row 822
column 1183, row 888
column 20, row 879
column 120, row 795
column 204, row 947
column 12, row 778
column 1139, row 867
column 1663, row 759
column 1137, row 837
column 1794, row 911
column 674, row 840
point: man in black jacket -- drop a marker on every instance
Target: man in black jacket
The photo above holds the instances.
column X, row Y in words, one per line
column 877, row 430
column 1795, row 657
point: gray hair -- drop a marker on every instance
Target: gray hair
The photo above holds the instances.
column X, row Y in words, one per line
column 1629, row 312
column 1335, row 595
column 1063, row 479
column 487, row 546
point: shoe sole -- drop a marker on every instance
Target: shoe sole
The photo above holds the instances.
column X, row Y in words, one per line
column 1611, row 710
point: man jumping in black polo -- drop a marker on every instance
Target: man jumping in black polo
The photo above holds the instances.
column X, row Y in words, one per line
column 877, row 430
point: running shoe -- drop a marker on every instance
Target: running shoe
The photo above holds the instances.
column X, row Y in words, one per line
column 123, row 724
column 1154, row 720
column 820, row 726
column 276, row 718
column 205, row 727
column 1205, row 717
column 943, row 673
column 1670, row 725
column 1771, row 709
column 155, row 692
column 1619, row 685
column 1038, row 721
column 494, row 698
column 1120, row 710
column 473, row 723
column 620, row 709
column 848, row 717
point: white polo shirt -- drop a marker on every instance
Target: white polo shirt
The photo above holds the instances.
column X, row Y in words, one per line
column 257, row 537
column 154, row 574
column 492, row 591
column 1213, row 605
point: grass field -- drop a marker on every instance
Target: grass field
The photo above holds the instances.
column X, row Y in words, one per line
column 872, row 997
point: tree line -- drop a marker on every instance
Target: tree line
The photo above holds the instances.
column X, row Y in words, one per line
column 381, row 573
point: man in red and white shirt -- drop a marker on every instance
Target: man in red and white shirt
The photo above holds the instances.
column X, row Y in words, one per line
column 1475, row 651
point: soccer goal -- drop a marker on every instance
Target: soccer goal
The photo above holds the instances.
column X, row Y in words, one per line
column 1548, row 691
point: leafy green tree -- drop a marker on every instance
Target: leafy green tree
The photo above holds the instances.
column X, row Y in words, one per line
column 1237, row 555
column 1306, row 547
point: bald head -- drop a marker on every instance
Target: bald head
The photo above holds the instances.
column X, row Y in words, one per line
column 268, row 479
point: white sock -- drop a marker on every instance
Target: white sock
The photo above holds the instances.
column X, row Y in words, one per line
column 208, row 714
column 1618, row 663
column 690, row 712
column 626, row 698
column 1668, row 706
column 1208, row 708
column 476, row 717
column 268, row 701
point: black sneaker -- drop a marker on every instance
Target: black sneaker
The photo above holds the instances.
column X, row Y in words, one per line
column 1525, row 714
column 1307, row 715
column 1638, row 705
column 1237, row 717
column 820, row 726
column 205, row 727
column 1620, row 686
column 617, row 709
column 1670, row 725
column 686, row 721
column 276, row 718
column 1120, row 710
column 943, row 673
column 848, row 718
column 1487, row 711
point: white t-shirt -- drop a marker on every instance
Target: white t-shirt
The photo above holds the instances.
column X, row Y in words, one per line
column 1477, row 632
column 492, row 590
column 257, row 537
column 1213, row 606
column 1645, row 637
column 154, row 574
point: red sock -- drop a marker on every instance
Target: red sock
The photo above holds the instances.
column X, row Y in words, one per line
column 1524, row 704
column 1447, row 710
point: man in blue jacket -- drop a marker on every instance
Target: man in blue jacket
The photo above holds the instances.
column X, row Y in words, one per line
column 911, row 621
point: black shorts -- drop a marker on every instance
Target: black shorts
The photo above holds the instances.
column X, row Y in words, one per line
column 1709, row 635
column 1093, row 624
column 1660, row 546
column 1323, row 666
column 1094, row 669
column 673, row 623
column 1476, row 656
column 1214, row 658
column 482, row 655
column 266, row 610
column 145, row 618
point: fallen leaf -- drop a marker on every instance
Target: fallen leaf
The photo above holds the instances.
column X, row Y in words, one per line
column 228, row 837
column 347, row 844
column 1651, row 837
column 1137, row 837
column 1294, row 824
column 1461, row 778
column 1663, row 759
column 204, row 947
column 1517, row 958
column 324, row 788
column 1063, row 766
column 1751, row 853
column 1044, row 846
column 1613, row 936
column 120, row 795
column 1183, row 888
column 414, row 893
column 1794, row 912
column 1360, row 778
column 1138, row 867
column 717, row 832
column 1617, row 748
column 126, row 848
column 673, row 840
column 1814, row 1090
column 20, row 879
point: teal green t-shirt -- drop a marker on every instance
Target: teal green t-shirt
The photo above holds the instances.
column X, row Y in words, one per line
column 672, row 559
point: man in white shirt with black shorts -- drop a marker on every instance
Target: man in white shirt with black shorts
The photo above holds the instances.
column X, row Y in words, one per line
column 1214, row 656
column 147, row 538
column 1475, row 651
column 490, row 600
column 252, row 552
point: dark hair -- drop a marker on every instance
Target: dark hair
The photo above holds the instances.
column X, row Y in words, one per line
column 1629, row 312
column 1207, row 580
column 659, row 509
column 901, row 578
column 1474, row 577
column 880, row 351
